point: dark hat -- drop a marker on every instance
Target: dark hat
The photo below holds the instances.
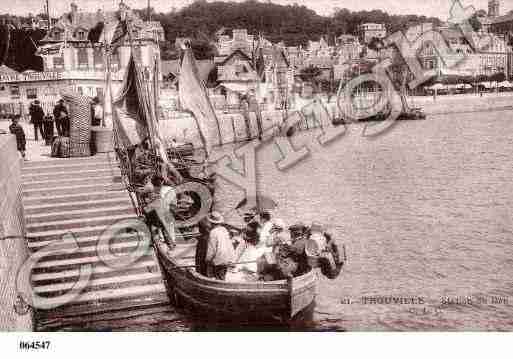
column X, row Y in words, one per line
column 37, row 102
column 300, row 226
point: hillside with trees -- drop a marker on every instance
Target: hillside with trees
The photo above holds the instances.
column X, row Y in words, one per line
column 292, row 24
column 201, row 20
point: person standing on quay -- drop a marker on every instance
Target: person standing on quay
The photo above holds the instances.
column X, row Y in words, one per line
column 48, row 129
column 16, row 129
column 97, row 112
column 36, row 118
column 60, row 114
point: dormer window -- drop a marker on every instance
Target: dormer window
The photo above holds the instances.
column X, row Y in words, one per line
column 56, row 34
column 81, row 35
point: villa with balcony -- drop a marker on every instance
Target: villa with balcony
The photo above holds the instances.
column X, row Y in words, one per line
column 74, row 59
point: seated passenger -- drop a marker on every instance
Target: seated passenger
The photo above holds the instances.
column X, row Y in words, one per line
column 298, row 236
column 246, row 256
column 204, row 228
column 275, row 236
column 331, row 260
column 323, row 252
column 265, row 227
column 289, row 257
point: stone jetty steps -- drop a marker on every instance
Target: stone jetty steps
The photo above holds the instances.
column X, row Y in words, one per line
column 83, row 197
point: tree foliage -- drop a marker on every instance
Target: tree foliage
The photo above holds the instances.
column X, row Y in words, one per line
column 310, row 73
column 292, row 24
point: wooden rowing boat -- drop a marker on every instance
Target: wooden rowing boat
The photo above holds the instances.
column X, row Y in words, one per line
column 244, row 302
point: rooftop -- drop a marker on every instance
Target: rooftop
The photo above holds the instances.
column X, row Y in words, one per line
column 501, row 19
column 173, row 67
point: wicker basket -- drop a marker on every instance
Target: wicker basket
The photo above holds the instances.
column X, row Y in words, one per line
column 80, row 124
column 102, row 139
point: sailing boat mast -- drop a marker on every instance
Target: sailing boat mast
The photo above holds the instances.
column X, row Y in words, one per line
column 48, row 15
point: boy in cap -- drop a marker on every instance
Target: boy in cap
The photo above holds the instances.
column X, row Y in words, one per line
column 16, row 129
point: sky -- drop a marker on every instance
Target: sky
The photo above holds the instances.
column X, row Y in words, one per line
column 438, row 8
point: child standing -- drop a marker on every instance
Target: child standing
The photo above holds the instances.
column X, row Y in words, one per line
column 16, row 129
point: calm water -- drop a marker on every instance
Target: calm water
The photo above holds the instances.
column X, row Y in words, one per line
column 425, row 211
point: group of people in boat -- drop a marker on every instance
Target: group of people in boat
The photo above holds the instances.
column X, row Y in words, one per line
column 266, row 250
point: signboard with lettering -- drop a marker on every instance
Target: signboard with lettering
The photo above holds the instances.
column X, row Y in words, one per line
column 33, row 76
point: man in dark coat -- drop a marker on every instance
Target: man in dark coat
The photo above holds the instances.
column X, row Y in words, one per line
column 16, row 129
column 204, row 228
column 36, row 118
column 48, row 127
column 60, row 114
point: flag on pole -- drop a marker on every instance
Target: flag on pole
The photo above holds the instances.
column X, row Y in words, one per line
column 120, row 31
column 194, row 98
column 131, row 111
column 114, row 33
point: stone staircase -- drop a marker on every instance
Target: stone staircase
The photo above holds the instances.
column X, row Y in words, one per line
column 83, row 197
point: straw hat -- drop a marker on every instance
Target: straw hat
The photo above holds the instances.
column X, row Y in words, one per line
column 279, row 223
column 298, row 227
column 215, row 218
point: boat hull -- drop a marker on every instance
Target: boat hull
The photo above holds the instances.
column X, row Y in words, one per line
column 244, row 302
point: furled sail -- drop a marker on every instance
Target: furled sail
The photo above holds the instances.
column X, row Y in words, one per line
column 194, row 98
column 131, row 111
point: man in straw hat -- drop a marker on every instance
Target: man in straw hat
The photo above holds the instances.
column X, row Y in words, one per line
column 220, row 251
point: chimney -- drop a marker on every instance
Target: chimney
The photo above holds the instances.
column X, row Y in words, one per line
column 74, row 13
column 123, row 10
column 99, row 15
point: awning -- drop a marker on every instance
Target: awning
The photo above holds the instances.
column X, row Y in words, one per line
column 50, row 49
column 505, row 84
column 450, row 72
column 437, row 87
column 241, row 88
column 7, row 71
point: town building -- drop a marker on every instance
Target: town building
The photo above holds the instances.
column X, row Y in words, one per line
column 71, row 61
column 348, row 49
column 464, row 58
column 236, row 76
column 279, row 79
column 369, row 31
column 494, row 8
column 502, row 25
column 242, row 41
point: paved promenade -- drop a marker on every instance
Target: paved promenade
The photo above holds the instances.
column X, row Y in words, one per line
column 448, row 104
column 444, row 104
column 36, row 151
